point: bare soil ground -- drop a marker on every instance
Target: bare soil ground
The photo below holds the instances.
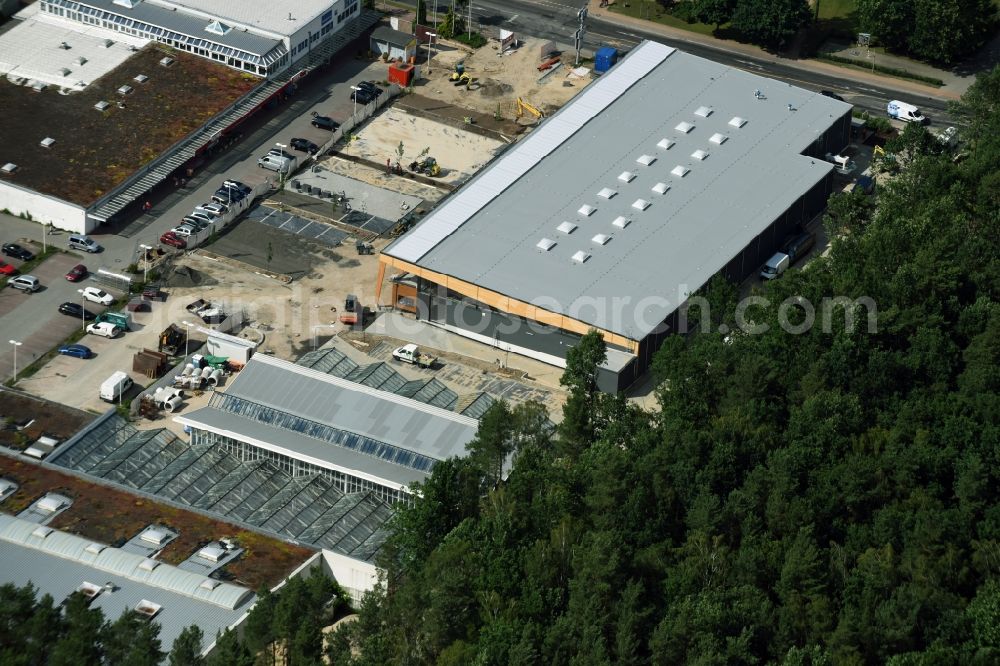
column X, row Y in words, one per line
column 265, row 562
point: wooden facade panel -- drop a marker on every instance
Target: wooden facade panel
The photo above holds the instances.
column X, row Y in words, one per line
column 521, row 309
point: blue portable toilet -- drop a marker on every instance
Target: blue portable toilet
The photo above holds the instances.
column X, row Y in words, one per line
column 605, row 57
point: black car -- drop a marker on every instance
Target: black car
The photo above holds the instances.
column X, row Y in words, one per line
column 362, row 96
column 370, row 87
column 18, row 252
column 76, row 310
column 227, row 195
column 305, row 145
column 831, row 95
column 237, row 185
column 325, row 122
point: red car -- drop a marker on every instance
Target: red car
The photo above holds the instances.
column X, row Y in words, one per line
column 6, row 269
column 77, row 273
column 170, row 238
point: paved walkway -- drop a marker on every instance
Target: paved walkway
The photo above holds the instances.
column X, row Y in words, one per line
column 956, row 83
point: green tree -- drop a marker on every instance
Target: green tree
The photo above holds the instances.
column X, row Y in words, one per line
column 771, row 23
column 715, row 12
column 936, row 30
column 187, row 648
column 132, row 640
column 229, row 651
column 580, row 378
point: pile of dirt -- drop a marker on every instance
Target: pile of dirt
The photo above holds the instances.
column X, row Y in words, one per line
column 185, row 276
column 492, row 88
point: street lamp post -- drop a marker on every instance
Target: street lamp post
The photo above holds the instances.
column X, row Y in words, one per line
column 354, row 115
column 187, row 336
column 145, row 261
column 430, row 35
column 281, row 174
column 16, row 345
column 83, row 310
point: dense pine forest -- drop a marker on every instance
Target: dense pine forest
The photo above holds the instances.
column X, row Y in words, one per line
column 821, row 497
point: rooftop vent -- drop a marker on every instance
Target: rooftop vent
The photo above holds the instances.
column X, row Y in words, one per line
column 141, row 78
column 38, row 86
column 684, row 127
column 108, row 43
column 607, row 193
column 601, row 239
column 64, row 46
column 546, row 244
column 81, row 61
column 626, row 176
column 580, row 256
column 166, row 62
column 89, row 590
column 154, row 536
column 209, row 584
column 640, row 204
column 94, row 548
column 147, row 608
column 566, row 227
column 646, row 159
column 125, row 90
column 148, row 564
column 699, row 154
column 102, row 105
column 586, row 210
column 621, row 222
column 680, row 171
column 47, row 142
column 65, row 71
column 41, row 532
column 737, row 121
column 664, row 144
column 703, row 111
column 661, row 188
column 212, row 553
column 718, row 139
column 10, row 167
column 7, row 487
column 50, row 504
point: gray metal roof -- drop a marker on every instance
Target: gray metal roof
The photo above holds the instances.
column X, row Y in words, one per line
column 58, row 563
column 335, row 421
column 384, row 33
column 610, row 138
column 187, row 24
column 283, row 18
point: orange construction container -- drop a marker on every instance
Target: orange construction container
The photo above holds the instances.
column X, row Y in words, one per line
column 401, row 74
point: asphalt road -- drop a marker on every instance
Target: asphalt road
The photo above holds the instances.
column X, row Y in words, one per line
column 556, row 20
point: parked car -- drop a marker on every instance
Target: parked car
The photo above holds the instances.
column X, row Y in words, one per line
column 183, row 231
column 370, row 87
column 226, row 195
column 76, row 310
column 198, row 222
column 362, row 96
column 77, row 351
column 173, row 240
column 280, row 163
column 7, row 269
column 831, row 95
column 325, row 122
column 96, row 295
column 77, row 273
column 304, row 145
column 237, row 185
column 26, row 283
column 105, row 329
column 18, row 252
column 212, row 209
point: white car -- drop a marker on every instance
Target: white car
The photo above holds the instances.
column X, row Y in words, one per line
column 96, row 295
column 184, row 230
column 105, row 329
column 212, row 209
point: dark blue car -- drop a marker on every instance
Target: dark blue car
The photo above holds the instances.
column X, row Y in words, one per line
column 79, row 351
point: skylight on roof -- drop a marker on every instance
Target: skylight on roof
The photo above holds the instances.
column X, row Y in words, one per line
column 664, row 144
column 209, row 584
column 621, row 222
column 684, row 127
column 640, row 204
column 661, row 188
column 680, row 171
column 718, row 139
column 626, row 176
column 94, row 548
column 217, row 28
column 41, row 532
column 607, row 193
column 586, row 210
column 566, row 227
column 737, row 122
column 699, row 154
column 601, row 239
column 646, row 159
column 546, row 244
column 148, row 564
column 580, row 256
column 703, row 111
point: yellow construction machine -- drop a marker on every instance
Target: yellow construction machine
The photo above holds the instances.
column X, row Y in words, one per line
column 523, row 106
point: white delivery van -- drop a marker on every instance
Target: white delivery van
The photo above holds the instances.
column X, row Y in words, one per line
column 905, row 112
column 115, row 386
column 282, row 164
column 775, row 266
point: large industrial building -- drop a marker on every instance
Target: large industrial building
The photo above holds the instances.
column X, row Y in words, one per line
column 666, row 171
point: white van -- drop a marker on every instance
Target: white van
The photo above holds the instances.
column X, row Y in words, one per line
column 905, row 112
column 775, row 266
column 282, row 164
column 105, row 329
column 115, row 386
column 85, row 243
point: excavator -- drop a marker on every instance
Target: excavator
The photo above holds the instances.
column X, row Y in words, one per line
column 523, row 106
column 428, row 166
column 462, row 78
